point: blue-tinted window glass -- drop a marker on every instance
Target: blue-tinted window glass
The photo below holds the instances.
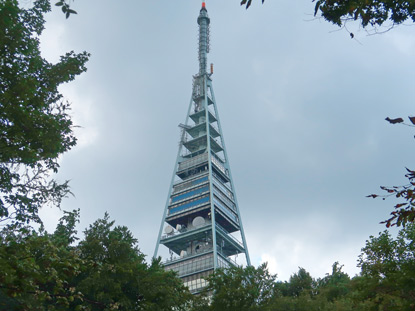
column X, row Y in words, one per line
column 189, row 205
column 225, row 209
column 189, row 194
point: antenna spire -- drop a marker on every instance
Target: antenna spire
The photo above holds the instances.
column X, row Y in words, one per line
column 203, row 20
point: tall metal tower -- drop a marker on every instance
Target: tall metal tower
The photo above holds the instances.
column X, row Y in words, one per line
column 201, row 225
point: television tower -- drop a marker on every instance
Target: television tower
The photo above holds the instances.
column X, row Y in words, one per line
column 201, row 225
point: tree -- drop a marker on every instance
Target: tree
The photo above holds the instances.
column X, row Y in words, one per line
column 388, row 271
column 334, row 285
column 35, row 127
column 369, row 12
column 238, row 288
column 300, row 283
column 116, row 274
column 36, row 268
column 105, row 271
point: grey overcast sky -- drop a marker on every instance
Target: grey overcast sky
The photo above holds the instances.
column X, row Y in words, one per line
column 302, row 107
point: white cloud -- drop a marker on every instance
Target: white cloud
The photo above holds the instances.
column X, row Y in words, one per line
column 272, row 263
column 51, row 41
column 50, row 217
column 286, row 254
column 314, row 242
column 85, row 120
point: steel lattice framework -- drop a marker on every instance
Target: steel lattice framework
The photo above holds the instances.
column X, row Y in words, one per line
column 201, row 224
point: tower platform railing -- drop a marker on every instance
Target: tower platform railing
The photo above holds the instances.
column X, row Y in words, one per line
column 207, row 224
column 226, row 233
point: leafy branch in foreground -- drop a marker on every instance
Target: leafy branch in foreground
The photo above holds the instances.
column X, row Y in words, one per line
column 248, row 3
column 65, row 7
column 369, row 12
column 35, row 125
column 403, row 212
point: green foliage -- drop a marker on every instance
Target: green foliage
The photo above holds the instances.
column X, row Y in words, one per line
column 300, row 303
column 36, row 269
column 386, row 282
column 238, row 288
column 65, row 233
column 369, row 12
column 116, row 274
column 388, row 270
column 300, row 283
column 334, row 285
column 105, row 271
column 387, row 278
column 66, row 8
column 35, row 127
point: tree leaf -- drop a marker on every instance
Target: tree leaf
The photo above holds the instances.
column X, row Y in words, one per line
column 394, row 121
column 318, row 3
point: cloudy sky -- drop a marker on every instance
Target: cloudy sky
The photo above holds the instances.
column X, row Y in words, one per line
column 302, row 107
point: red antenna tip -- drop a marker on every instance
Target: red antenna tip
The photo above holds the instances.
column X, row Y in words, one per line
column 203, row 5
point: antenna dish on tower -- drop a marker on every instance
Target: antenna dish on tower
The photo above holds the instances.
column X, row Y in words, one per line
column 169, row 229
column 198, row 221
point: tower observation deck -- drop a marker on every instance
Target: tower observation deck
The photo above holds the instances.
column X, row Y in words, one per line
column 201, row 229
